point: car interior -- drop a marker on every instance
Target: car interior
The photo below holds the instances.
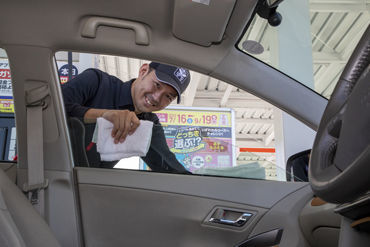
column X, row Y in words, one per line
column 49, row 196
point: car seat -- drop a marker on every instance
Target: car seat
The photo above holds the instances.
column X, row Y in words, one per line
column 20, row 223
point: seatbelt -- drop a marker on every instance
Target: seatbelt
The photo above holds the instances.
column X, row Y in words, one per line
column 36, row 102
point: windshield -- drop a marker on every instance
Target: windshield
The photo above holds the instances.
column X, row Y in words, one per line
column 313, row 42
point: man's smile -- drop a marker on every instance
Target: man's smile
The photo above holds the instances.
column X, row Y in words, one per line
column 149, row 102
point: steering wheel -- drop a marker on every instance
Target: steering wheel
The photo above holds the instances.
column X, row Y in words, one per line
column 339, row 169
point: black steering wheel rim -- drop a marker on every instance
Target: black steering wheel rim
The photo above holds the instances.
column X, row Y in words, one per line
column 339, row 169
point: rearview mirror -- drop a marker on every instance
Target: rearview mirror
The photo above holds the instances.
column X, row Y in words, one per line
column 273, row 3
column 297, row 167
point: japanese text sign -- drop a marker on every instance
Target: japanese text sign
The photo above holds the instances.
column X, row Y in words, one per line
column 199, row 137
column 6, row 92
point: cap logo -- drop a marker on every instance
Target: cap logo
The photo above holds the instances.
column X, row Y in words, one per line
column 180, row 74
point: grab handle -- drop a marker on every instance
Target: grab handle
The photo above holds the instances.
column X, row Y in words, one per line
column 92, row 24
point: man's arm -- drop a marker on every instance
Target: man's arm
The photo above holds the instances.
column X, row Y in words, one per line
column 125, row 122
column 92, row 114
column 159, row 157
column 80, row 90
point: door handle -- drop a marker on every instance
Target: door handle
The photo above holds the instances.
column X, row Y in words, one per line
column 223, row 218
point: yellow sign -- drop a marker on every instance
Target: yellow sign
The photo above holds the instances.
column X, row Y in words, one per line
column 6, row 105
column 195, row 118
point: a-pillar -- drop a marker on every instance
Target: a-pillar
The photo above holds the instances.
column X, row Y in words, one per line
column 291, row 53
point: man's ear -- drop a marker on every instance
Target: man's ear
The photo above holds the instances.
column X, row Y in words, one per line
column 143, row 71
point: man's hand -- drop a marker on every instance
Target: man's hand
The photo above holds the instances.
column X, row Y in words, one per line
column 125, row 123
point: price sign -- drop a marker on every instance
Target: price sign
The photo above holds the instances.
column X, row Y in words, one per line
column 200, row 137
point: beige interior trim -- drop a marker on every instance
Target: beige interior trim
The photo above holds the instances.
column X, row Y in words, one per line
column 200, row 22
column 10, row 170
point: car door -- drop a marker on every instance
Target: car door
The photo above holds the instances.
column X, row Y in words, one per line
column 136, row 208
column 144, row 208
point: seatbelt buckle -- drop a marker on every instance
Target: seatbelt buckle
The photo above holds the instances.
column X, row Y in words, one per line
column 34, row 198
column 41, row 186
column 34, row 189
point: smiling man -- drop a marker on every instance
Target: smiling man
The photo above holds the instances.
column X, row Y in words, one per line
column 94, row 94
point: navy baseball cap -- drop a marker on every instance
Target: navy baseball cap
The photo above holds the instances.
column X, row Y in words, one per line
column 177, row 77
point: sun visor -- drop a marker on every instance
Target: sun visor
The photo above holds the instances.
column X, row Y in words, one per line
column 201, row 21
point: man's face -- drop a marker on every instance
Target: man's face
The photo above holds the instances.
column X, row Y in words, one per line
column 149, row 94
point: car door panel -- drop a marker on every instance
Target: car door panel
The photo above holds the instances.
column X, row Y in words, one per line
column 285, row 214
column 320, row 224
column 253, row 192
column 114, row 216
column 136, row 208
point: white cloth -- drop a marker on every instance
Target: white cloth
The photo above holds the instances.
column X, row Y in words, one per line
column 136, row 144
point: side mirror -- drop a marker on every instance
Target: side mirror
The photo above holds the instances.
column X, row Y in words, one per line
column 297, row 167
